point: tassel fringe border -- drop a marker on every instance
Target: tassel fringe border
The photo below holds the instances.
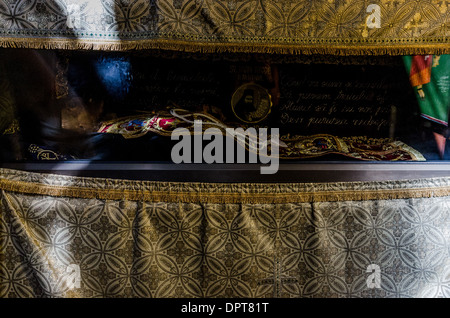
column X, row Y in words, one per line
column 423, row 47
column 228, row 194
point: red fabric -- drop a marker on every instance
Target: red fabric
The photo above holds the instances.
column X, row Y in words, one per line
column 420, row 72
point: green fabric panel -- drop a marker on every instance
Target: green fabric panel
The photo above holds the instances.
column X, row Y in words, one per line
column 435, row 104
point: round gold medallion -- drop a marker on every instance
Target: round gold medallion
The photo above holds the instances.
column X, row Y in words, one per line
column 251, row 103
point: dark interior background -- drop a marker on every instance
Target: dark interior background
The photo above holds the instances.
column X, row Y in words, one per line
column 342, row 96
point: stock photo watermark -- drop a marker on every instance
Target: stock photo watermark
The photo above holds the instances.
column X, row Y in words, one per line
column 373, row 21
column 230, row 147
column 374, row 279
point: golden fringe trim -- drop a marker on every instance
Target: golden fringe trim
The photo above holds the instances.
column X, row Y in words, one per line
column 221, row 198
column 440, row 48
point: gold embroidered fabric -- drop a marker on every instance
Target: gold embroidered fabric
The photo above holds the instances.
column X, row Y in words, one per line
column 338, row 27
column 168, row 245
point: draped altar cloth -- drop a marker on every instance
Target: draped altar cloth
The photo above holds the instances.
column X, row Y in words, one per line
column 161, row 239
column 340, row 27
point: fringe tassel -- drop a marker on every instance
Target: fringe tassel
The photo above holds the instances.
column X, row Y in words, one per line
column 219, row 195
column 439, row 46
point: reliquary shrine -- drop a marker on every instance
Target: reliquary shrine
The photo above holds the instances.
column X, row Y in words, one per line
column 212, row 149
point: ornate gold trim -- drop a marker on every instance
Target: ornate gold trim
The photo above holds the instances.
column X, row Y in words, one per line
column 421, row 47
column 201, row 193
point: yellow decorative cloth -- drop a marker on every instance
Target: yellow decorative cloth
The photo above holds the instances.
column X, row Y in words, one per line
column 338, row 27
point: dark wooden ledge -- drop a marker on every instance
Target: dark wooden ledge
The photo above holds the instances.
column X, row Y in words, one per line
column 314, row 171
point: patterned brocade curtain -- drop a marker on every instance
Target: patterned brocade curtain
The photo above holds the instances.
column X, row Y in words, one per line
column 85, row 237
column 340, row 27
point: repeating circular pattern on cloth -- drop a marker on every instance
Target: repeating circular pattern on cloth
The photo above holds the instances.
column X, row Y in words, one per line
column 264, row 26
column 170, row 249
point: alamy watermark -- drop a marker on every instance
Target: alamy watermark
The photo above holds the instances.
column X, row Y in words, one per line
column 374, row 279
column 236, row 145
column 374, row 19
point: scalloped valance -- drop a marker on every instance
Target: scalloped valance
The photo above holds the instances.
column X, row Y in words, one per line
column 338, row 27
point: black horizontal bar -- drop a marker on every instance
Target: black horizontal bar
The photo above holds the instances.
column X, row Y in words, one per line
column 287, row 172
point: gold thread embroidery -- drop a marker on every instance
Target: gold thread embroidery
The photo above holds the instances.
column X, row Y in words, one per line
column 440, row 46
column 218, row 195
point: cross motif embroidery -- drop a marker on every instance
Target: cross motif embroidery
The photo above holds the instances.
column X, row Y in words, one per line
column 278, row 280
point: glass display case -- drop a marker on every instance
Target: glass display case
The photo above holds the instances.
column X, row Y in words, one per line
column 224, row 149
column 119, row 110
